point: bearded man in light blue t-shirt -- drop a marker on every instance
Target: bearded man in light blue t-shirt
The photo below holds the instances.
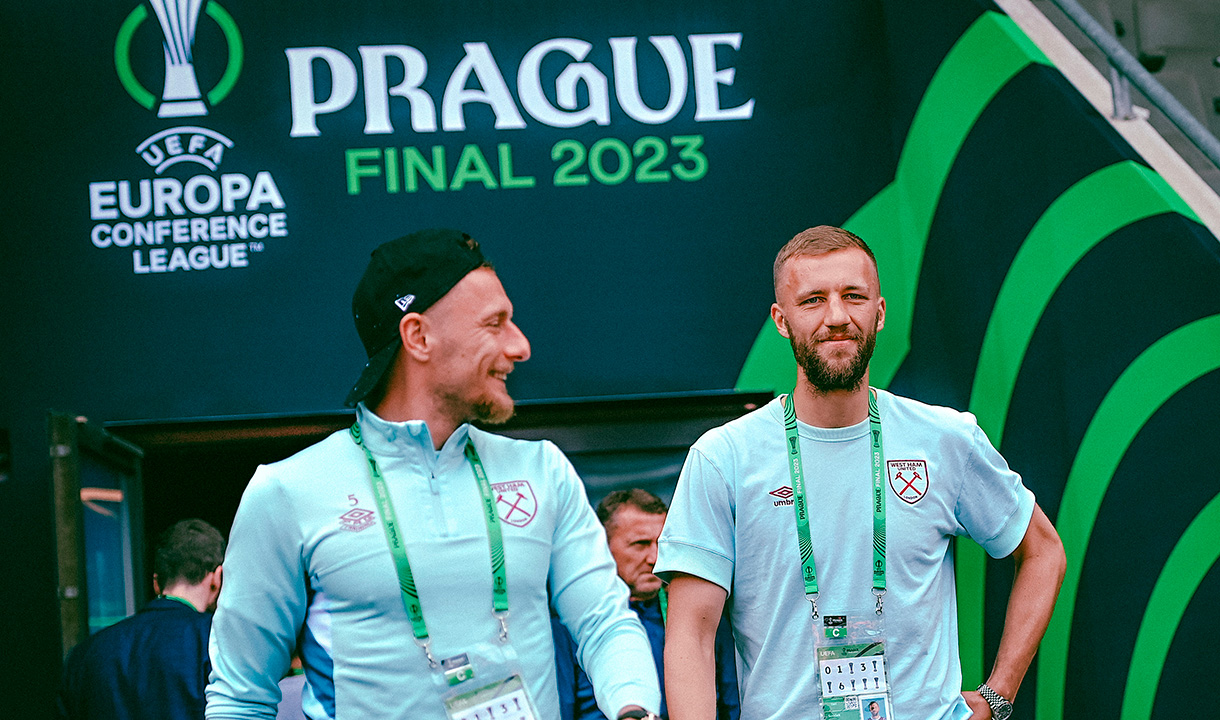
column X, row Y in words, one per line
column 885, row 495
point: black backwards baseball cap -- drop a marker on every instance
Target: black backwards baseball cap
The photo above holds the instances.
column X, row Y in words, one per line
column 405, row 275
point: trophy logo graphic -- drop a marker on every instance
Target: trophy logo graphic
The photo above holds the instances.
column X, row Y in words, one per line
column 181, row 96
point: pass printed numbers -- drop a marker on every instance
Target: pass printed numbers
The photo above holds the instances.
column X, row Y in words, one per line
column 846, row 670
column 851, row 677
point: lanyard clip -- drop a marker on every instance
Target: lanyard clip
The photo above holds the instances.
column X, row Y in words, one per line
column 879, row 594
column 503, row 618
column 813, row 602
column 426, row 645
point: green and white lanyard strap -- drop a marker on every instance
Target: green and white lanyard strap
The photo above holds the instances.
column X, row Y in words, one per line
column 800, row 502
column 406, row 580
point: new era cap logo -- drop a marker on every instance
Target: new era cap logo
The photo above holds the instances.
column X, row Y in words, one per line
column 404, row 302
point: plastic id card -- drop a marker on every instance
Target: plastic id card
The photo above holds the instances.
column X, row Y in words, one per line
column 505, row 699
column 853, row 680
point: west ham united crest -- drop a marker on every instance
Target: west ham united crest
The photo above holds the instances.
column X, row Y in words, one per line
column 908, row 479
column 516, row 502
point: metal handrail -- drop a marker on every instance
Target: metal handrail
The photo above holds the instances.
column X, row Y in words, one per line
column 1123, row 65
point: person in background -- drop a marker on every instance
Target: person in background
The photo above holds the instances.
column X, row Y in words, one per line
column 411, row 554
column 633, row 520
column 154, row 665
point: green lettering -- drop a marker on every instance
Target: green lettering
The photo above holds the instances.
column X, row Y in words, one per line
column 472, row 166
column 415, row 164
column 507, row 181
column 355, row 170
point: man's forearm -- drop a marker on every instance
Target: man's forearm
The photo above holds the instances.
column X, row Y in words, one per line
column 690, row 641
column 690, row 671
column 1040, row 565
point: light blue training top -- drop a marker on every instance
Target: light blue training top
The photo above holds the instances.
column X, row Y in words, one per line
column 308, row 556
column 732, row 523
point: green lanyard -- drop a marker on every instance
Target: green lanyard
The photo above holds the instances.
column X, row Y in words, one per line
column 800, row 503
column 406, row 580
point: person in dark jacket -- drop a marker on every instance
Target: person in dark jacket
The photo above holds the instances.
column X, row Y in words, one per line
column 633, row 520
column 154, row 664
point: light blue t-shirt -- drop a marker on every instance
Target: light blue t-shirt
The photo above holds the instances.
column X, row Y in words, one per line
column 732, row 523
column 308, row 555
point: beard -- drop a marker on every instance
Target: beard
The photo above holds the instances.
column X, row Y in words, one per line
column 493, row 411
column 826, row 376
column 485, row 407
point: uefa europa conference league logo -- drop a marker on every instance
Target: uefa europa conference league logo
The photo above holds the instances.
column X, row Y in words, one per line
column 173, row 223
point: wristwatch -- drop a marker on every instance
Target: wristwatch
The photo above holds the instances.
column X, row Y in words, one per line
column 639, row 715
column 1001, row 707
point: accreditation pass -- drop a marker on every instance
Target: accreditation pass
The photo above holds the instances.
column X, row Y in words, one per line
column 851, row 678
column 503, row 700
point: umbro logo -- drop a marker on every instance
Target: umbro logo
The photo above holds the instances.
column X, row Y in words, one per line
column 784, row 494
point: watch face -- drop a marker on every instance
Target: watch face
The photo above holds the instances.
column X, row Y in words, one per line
column 1003, row 712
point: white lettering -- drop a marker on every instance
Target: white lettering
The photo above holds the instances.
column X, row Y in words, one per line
column 156, row 260
column 258, row 225
column 215, row 152
column 100, row 235
column 627, row 82
column 199, row 229
column 234, row 187
column 708, row 79
column 122, row 234
column 167, row 197
column 199, row 257
column 264, row 191
column 101, row 201
column 177, row 261
column 305, row 107
column 191, row 194
column 377, row 95
column 493, row 91
column 135, row 211
column 529, row 86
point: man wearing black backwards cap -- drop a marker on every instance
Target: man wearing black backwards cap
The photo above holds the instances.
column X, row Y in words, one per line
column 408, row 558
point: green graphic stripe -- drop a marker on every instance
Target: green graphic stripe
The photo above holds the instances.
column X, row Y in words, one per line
column 236, row 53
column 1156, row 375
column 122, row 58
column 896, row 221
column 1080, row 218
column 983, row 61
column 1193, row 556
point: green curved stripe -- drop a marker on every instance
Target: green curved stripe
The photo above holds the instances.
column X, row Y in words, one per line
column 122, row 58
column 1080, row 218
column 1156, row 375
column 236, row 53
column 1192, row 557
column 896, row 221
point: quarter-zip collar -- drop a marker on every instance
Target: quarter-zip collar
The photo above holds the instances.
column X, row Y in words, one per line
column 410, row 440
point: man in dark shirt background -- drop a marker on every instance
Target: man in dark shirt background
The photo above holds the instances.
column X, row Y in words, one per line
column 154, row 664
column 633, row 520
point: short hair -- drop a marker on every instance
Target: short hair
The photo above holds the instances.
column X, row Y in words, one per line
column 819, row 241
column 188, row 551
column 638, row 498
